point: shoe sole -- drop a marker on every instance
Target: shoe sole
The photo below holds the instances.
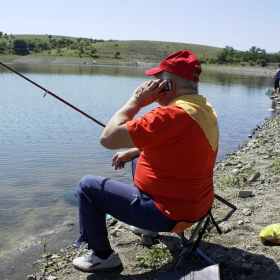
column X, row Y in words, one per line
column 119, row 267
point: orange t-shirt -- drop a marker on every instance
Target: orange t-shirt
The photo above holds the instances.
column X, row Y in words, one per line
column 179, row 144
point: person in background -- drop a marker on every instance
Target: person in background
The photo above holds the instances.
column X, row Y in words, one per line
column 173, row 150
column 277, row 79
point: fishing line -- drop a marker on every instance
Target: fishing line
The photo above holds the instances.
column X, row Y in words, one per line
column 52, row 94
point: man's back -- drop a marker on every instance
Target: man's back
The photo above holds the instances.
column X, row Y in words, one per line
column 179, row 145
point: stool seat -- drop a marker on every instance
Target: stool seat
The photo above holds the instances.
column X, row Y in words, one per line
column 181, row 226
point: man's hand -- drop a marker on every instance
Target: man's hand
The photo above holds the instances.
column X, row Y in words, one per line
column 115, row 135
column 121, row 158
column 148, row 92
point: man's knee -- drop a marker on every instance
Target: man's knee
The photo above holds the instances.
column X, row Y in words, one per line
column 86, row 189
column 86, row 183
column 89, row 183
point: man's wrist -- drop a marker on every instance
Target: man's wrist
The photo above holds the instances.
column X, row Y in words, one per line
column 131, row 108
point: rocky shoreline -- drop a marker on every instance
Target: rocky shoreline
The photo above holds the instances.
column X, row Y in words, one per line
column 255, row 168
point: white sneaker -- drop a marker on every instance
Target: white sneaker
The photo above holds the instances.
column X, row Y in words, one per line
column 146, row 232
column 91, row 263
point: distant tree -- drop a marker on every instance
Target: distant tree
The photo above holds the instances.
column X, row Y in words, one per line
column 212, row 60
column 98, row 41
column 50, row 36
column 31, row 45
column 253, row 51
column 263, row 62
column 61, row 43
column 69, row 42
column 262, row 54
column 36, row 49
column 3, row 47
column 92, row 51
column 117, row 54
column 20, row 47
column 44, row 45
column 73, row 46
column 53, row 43
column 1, row 34
column 275, row 57
column 226, row 55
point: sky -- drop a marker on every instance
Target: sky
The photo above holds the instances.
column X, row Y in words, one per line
column 240, row 24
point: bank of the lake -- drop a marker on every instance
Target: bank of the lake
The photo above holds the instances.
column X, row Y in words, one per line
column 254, row 167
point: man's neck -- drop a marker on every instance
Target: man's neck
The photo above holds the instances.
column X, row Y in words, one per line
column 181, row 92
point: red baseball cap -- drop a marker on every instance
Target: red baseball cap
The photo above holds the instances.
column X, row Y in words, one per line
column 182, row 63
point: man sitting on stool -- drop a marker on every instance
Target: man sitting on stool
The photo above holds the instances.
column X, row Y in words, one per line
column 177, row 145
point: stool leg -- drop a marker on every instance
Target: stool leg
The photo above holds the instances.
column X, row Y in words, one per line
column 189, row 245
column 204, row 256
column 225, row 202
column 182, row 254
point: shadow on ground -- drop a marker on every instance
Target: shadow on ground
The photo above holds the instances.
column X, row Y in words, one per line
column 236, row 264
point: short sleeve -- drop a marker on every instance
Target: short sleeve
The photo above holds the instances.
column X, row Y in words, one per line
column 152, row 129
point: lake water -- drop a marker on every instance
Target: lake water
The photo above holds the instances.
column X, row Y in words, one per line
column 46, row 147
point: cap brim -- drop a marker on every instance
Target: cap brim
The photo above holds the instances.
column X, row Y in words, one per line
column 153, row 71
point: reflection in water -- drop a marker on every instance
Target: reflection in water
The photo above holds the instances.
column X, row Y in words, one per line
column 46, row 147
column 77, row 70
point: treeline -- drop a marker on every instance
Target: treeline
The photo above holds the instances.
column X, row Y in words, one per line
column 254, row 56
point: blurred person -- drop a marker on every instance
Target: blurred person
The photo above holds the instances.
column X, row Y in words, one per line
column 276, row 78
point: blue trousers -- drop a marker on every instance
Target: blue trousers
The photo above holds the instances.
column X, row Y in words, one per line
column 276, row 83
column 98, row 195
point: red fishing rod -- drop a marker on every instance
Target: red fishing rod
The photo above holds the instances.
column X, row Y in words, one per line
column 54, row 95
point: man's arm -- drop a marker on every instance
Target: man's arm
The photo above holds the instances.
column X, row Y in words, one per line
column 115, row 135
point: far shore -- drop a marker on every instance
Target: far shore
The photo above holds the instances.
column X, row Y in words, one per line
column 254, row 70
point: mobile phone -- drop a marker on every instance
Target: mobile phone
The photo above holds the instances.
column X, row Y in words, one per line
column 168, row 86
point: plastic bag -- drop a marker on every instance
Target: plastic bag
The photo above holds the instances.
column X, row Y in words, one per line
column 270, row 234
column 211, row 272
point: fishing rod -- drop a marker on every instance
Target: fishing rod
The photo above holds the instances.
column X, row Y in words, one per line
column 52, row 94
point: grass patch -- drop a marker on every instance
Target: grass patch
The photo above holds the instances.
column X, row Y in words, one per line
column 232, row 181
column 249, row 171
column 276, row 167
column 158, row 256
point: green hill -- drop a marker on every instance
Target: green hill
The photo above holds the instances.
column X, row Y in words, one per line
column 102, row 51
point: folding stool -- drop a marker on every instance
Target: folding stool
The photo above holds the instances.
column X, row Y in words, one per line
column 189, row 245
